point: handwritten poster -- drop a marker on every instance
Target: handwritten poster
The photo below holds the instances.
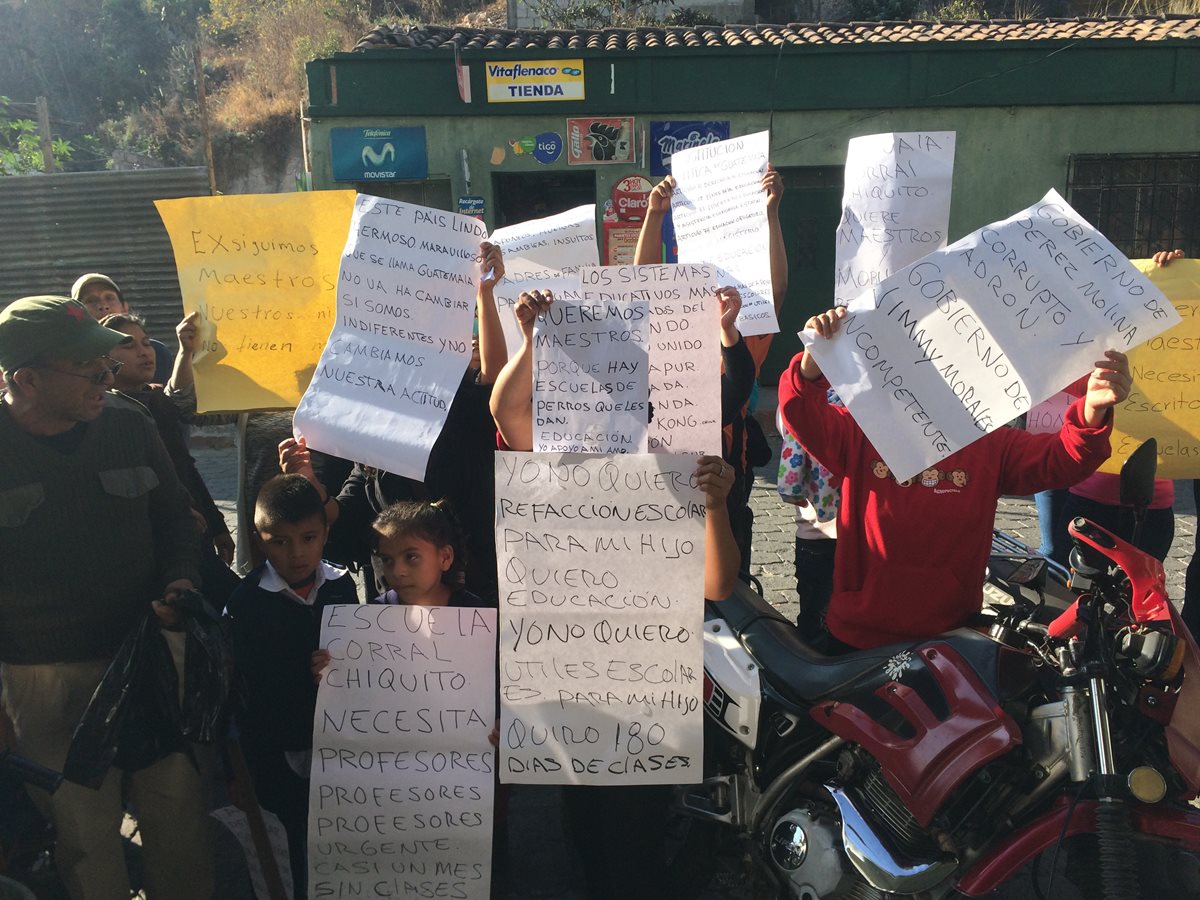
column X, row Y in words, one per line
column 895, row 206
column 401, row 341
column 685, row 360
column 719, row 212
column 261, row 270
column 1164, row 402
column 400, row 803
column 543, row 254
column 239, row 825
column 1048, row 416
column 601, row 570
column 957, row 344
column 591, row 364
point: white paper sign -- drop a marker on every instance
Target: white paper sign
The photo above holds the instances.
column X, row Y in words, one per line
column 685, row 359
column 895, row 206
column 401, row 342
column 1047, row 417
column 591, row 366
column 543, row 254
column 720, row 215
column 402, row 774
column 601, row 570
column 961, row 342
column 235, row 820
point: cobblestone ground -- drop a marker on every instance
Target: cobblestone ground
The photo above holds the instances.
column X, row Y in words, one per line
column 542, row 865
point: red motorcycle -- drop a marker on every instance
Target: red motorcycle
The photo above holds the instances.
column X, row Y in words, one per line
column 1046, row 745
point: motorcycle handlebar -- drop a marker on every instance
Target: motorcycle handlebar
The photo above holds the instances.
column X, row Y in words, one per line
column 1067, row 624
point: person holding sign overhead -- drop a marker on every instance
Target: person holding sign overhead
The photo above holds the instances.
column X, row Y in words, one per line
column 741, row 358
column 911, row 554
column 460, row 466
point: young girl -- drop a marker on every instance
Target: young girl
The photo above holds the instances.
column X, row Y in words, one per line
column 418, row 555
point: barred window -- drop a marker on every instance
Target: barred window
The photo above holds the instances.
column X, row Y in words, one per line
column 1140, row 203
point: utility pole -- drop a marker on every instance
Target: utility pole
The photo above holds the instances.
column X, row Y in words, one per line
column 202, row 100
column 43, row 113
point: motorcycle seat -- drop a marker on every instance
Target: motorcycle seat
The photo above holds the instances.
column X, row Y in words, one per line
column 805, row 676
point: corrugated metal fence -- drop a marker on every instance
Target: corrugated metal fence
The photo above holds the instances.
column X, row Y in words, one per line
column 57, row 227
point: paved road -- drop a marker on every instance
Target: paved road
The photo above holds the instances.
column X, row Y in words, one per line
column 542, row 864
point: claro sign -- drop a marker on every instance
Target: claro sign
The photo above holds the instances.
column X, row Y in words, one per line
column 534, row 81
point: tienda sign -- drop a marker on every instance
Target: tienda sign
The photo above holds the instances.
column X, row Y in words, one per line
column 631, row 198
column 534, row 81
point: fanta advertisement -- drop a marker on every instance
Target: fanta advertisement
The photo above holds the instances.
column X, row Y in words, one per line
column 631, row 197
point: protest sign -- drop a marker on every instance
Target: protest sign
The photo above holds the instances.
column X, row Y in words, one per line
column 261, row 270
column 719, row 212
column 400, row 801
column 591, row 364
column 545, row 255
column 685, row 361
column 601, row 571
column 1047, row 417
column 957, row 344
column 402, row 338
column 239, row 825
column 1164, row 403
column 895, row 206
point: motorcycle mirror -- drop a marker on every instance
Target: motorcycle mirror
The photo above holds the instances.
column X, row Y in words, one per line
column 1137, row 476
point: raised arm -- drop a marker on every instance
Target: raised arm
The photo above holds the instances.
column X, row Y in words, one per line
column 826, row 325
column 772, row 185
column 721, row 555
column 182, row 376
column 512, row 396
column 649, row 244
column 493, row 352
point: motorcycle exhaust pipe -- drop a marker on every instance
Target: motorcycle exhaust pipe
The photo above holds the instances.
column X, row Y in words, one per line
column 882, row 867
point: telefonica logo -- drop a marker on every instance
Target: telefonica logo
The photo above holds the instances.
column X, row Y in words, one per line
column 377, row 132
column 373, row 158
column 516, row 70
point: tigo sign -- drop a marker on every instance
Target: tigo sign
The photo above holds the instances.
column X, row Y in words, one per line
column 534, row 81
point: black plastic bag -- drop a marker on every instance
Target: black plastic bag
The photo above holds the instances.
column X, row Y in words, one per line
column 134, row 717
column 207, row 670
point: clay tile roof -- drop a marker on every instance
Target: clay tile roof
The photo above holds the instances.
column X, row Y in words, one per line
column 435, row 37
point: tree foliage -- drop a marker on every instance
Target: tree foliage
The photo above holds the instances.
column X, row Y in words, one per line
column 21, row 145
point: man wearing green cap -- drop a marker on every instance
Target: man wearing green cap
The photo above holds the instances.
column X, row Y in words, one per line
column 94, row 529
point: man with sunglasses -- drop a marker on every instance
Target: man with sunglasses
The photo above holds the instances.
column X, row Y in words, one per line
column 79, row 479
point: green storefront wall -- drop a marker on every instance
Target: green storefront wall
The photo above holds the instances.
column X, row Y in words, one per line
column 1020, row 112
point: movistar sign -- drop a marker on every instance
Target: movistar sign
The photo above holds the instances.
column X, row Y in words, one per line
column 379, row 154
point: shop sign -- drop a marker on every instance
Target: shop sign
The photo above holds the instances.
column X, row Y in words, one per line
column 548, row 147
column 378, row 154
column 600, row 141
column 534, row 81
column 620, row 242
column 631, row 198
column 669, row 137
column 471, row 206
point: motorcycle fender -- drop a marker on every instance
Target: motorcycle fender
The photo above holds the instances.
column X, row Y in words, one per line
column 732, row 689
column 996, row 867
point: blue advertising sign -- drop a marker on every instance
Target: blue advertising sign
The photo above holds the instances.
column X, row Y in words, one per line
column 548, row 148
column 668, row 137
column 378, row 154
column 471, row 206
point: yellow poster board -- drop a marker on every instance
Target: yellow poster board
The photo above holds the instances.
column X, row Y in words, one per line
column 1165, row 400
column 261, row 269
